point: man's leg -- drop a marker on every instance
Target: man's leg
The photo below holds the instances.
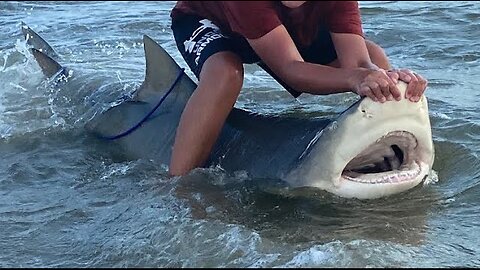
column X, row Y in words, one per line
column 202, row 119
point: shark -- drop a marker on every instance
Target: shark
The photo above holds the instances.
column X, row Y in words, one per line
column 371, row 150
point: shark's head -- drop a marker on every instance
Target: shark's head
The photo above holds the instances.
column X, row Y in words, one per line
column 372, row 150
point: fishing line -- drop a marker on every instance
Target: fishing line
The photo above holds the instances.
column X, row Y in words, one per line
column 132, row 129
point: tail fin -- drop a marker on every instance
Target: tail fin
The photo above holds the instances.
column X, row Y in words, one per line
column 42, row 51
column 49, row 66
column 37, row 42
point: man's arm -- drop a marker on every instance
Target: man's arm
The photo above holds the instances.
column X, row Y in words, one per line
column 352, row 52
column 279, row 52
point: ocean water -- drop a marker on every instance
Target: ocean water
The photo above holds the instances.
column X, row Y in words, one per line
column 66, row 202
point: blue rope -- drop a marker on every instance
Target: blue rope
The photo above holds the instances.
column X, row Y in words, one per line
column 123, row 134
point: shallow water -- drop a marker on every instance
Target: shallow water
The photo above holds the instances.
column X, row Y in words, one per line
column 66, row 202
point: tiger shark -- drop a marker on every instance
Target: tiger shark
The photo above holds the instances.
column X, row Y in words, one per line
column 370, row 150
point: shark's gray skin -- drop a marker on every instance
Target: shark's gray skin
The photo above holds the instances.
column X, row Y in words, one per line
column 371, row 150
column 43, row 53
column 37, row 41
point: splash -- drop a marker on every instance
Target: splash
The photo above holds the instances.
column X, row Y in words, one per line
column 431, row 179
column 309, row 257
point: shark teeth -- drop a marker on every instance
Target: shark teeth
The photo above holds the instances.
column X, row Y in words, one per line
column 404, row 174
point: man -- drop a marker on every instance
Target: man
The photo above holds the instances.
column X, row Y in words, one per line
column 308, row 46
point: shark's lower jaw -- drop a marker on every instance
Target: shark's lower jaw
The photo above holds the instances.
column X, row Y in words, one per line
column 406, row 174
column 387, row 161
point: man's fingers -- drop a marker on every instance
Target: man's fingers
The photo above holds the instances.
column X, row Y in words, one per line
column 412, row 88
column 381, row 85
column 404, row 75
column 423, row 84
column 420, row 87
column 366, row 91
column 385, row 87
column 393, row 75
column 396, row 93
column 376, row 90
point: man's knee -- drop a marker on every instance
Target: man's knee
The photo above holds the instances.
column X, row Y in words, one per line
column 224, row 69
column 231, row 75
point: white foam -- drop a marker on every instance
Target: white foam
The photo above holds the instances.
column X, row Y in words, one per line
column 431, row 179
column 117, row 169
column 441, row 115
column 311, row 257
column 5, row 130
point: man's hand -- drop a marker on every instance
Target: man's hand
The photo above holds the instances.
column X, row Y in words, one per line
column 416, row 83
column 375, row 84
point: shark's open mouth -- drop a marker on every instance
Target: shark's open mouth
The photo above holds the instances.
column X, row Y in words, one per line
column 388, row 160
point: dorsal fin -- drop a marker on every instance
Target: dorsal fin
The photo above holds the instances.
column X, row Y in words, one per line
column 49, row 66
column 161, row 68
column 37, row 42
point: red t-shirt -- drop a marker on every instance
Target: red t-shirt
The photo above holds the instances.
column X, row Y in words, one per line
column 253, row 19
